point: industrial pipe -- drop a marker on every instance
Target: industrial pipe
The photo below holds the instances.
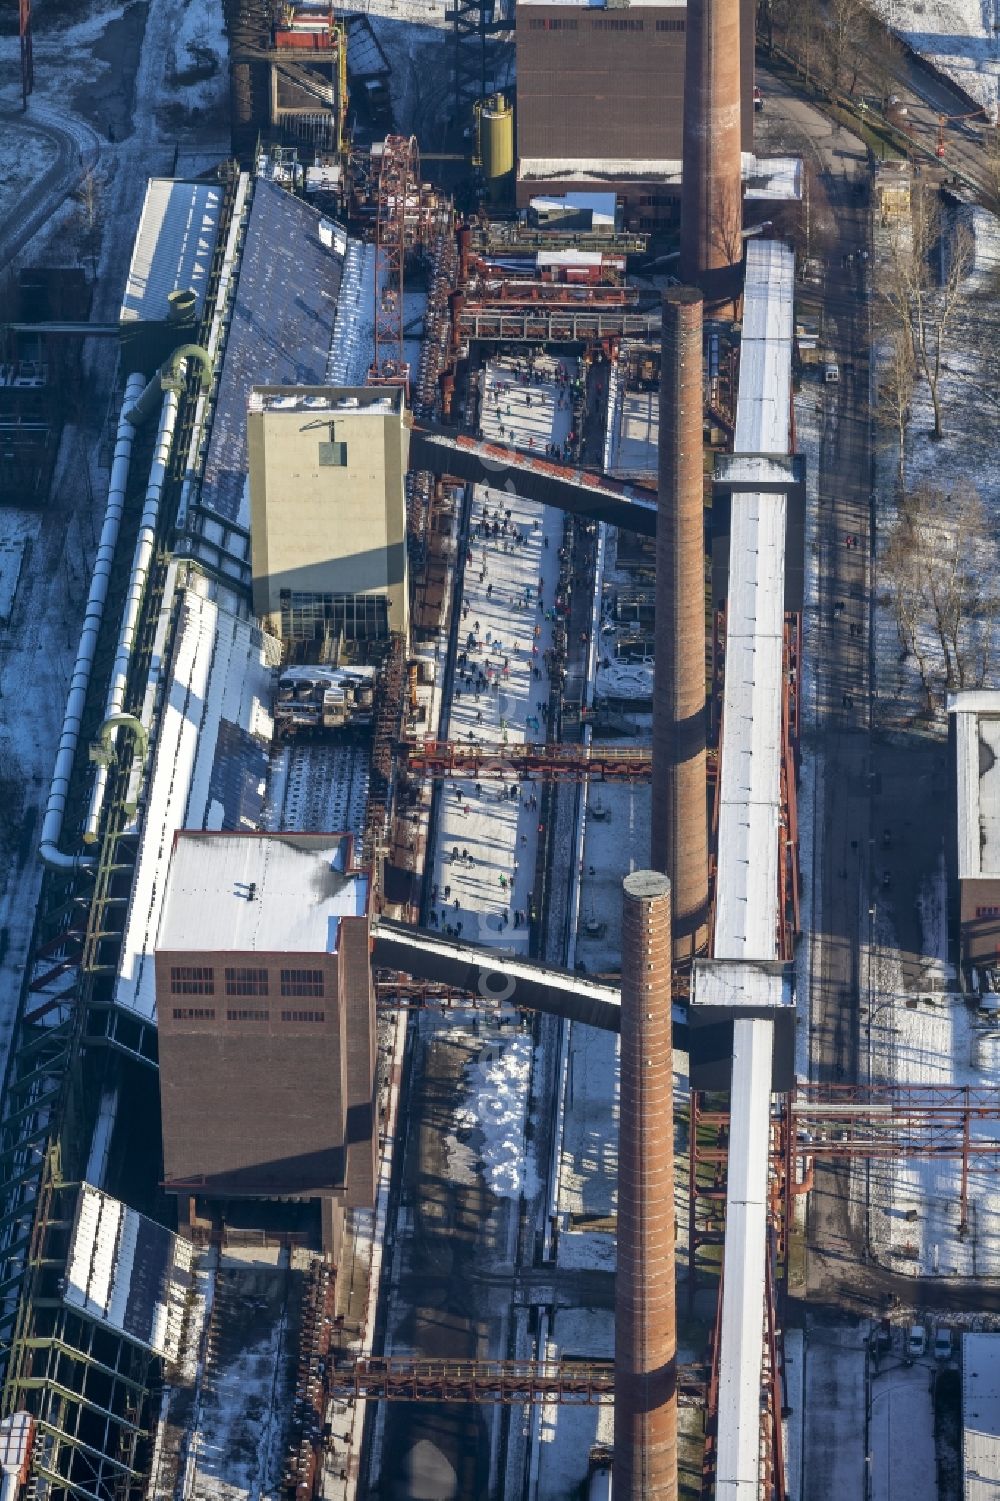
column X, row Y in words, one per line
column 170, row 377
column 144, row 545
column 48, row 849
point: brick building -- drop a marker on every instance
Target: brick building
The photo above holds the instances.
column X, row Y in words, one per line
column 266, row 1023
column 600, row 101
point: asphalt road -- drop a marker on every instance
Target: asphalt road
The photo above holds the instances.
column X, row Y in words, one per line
column 78, row 150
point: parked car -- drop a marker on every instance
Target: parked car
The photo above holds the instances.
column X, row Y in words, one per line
column 943, row 1342
column 916, row 1344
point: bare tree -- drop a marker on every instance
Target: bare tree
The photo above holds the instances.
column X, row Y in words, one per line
column 896, row 377
column 847, row 27
column 89, row 211
column 927, row 267
column 939, row 566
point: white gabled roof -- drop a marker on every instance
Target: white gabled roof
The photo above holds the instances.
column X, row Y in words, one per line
column 977, row 768
column 173, row 247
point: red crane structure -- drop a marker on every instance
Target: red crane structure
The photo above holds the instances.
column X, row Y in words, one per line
column 398, row 186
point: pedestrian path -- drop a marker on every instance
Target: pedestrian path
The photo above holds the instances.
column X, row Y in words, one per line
column 529, row 403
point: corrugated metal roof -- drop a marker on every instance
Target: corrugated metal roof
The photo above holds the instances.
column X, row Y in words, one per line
column 746, row 926
column 750, row 784
column 721, row 982
column 980, row 1416
column 127, row 1272
column 280, row 332
column 977, row 769
column 210, row 765
column 268, row 893
column 741, row 1343
column 173, row 248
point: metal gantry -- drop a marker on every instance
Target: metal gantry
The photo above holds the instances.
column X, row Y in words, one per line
column 398, row 181
column 410, row 1378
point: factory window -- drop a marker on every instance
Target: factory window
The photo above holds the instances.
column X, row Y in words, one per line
column 670, row 25
column 556, row 25
column 333, row 455
column 300, row 982
column 248, row 1016
column 617, row 25
column 194, row 1013
column 303, row 1016
column 246, row 982
column 191, row 979
column 988, row 911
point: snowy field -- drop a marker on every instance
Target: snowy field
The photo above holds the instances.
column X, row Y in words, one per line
column 931, row 1036
column 959, row 37
column 968, row 457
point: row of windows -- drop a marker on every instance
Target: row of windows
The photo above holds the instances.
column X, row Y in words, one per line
column 605, row 23
column 196, row 979
column 988, row 911
column 207, row 1014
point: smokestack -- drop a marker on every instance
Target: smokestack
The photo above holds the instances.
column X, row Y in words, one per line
column 679, row 832
column 645, row 1448
column 711, row 195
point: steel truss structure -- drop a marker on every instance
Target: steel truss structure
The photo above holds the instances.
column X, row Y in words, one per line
column 474, row 24
column 407, row 1378
column 398, row 182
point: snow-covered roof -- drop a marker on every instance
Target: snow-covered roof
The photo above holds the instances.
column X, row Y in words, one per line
column 980, row 1416
column 267, row 893
column 680, row 5
column 589, row 169
column 173, row 247
column 280, row 333
column 977, row 769
column 741, row 1342
column 719, row 982
column 601, row 206
column 776, row 178
column 747, row 915
column 127, row 1272
column 210, row 766
column 750, row 782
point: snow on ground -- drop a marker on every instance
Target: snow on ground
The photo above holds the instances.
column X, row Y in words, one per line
column 199, row 60
column 636, row 421
column 931, row 1037
column 958, row 37
column 833, row 1443
column 533, row 416
column 18, row 530
column 968, row 455
column 20, row 169
column 495, row 1106
column 901, row 1434
column 567, row 1433
column 487, row 840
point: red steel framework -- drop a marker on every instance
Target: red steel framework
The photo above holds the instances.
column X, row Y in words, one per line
column 409, row 1378
column 398, row 181
column 27, row 52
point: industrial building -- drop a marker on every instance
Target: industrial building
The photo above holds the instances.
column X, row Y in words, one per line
column 974, row 738
column 980, row 1416
column 600, row 101
column 328, row 512
column 267, row 1051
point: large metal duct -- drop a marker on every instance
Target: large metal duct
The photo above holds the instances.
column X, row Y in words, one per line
column 679, row 830
column 645, row 1450
column 711, row 193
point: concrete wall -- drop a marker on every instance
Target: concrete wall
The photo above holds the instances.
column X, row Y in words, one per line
column 328, row 529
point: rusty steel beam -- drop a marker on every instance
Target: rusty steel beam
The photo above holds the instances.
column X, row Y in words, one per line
column 679, row 818
column 497, row 762
column 645, row 1449
column 410, row 1378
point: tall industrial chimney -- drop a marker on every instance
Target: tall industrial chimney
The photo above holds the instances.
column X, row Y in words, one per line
column 679, row 833
column 711, row 194
column 645, row 1448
